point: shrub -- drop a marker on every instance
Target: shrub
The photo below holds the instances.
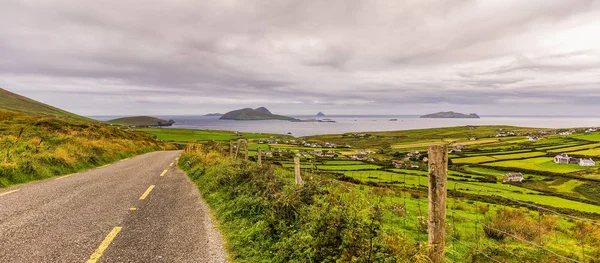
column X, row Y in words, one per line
column 511, row 222
column 264, row 216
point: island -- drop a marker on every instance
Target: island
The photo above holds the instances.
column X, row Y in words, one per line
column 248, row 114
column 214, row 115
column 451, row 114
column 142, row 121
column 320, row 114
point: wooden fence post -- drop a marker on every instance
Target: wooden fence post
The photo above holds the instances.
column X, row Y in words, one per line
column 246, row 148
column 259, row 156
column 237, row 149
column 438, row 173
column 230, row 148
column 297, row 171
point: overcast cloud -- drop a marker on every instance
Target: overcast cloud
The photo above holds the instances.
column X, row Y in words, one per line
column 304, row 56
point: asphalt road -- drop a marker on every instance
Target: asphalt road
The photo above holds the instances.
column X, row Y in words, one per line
column 123, row 212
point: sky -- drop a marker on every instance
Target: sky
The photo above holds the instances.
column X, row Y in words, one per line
column 190, row 57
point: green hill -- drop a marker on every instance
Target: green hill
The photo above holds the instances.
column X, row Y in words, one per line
column 12, row 102
column 451, row 114
column 142, row 121
column 261, row 113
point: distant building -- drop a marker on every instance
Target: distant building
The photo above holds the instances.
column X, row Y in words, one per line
column 512, row 178
column 587, row 162
column 564, row 158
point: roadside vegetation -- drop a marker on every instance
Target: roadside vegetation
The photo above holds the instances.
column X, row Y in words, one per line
column 34, row 147
column 266, row 218
column 353, row 215
column 188, row 135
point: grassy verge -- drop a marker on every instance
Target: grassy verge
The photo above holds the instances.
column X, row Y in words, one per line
column 35, row 147
column 265, row 218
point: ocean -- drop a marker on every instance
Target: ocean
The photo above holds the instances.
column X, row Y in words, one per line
column 345, row 123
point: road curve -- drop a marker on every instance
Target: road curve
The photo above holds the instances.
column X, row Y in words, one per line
column 129, row 211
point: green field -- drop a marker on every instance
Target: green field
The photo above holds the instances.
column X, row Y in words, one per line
column 545, row 164
column 575, row 148
column 591, row 152
column 188, row 135
column 491, row 158
column 593, row 136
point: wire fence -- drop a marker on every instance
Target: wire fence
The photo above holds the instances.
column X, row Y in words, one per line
column 504, row 229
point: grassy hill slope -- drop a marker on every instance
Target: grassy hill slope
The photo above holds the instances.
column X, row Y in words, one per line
column 34, row 147
column 141, row 121
column 12, row 102
column 253, row 114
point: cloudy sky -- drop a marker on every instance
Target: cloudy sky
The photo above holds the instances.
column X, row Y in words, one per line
column 120, row 57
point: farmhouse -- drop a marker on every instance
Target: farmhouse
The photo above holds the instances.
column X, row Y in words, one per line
column 564, row 158
column 587, row 162
column 514, row 177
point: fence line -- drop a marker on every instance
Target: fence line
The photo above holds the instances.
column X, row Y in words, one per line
column 479, row 224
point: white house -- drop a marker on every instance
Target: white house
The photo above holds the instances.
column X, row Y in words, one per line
column 562, row 158
column 587, row 162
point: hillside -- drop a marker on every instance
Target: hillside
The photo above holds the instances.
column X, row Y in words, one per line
column 261, row 113
column 451, row 114
column 36, row 147
column 142, row 121
column 12, row 102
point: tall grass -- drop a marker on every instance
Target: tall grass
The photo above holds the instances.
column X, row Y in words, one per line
column 266, row 218
column 35, row 147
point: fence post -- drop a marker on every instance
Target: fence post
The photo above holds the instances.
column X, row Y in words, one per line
column 237, row 149
column 259, row 156
column 230, row 148
column 297, row 171
column 438, row 173
column 246, row 149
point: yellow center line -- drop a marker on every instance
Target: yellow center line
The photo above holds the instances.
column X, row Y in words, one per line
column 147, row 192
column 104, row 245
column 163, row 173
column 132, row 209
column 9, row 192
column 171, row 164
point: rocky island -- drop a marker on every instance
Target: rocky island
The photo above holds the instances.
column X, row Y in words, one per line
column 248, row 114
column 451, row 114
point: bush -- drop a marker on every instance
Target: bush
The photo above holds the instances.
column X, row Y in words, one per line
column 265, row 217
column 511, row 222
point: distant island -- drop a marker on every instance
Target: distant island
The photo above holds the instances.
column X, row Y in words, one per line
column 451, row 114
column 142, row 121
column 320, row 114
column 214, row 115
column 248, row 114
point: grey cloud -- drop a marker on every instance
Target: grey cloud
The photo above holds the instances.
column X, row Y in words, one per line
column 297, row 55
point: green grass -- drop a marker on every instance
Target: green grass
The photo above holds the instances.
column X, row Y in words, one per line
column 575, row 148
column 336, row 162
column 481, row 159
column 190, row 135
column 12, row 102
column 545, row 164
column 593, row 136
column 38, row 147
column 387, row 139
column 348, row 167
column 591, row 152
